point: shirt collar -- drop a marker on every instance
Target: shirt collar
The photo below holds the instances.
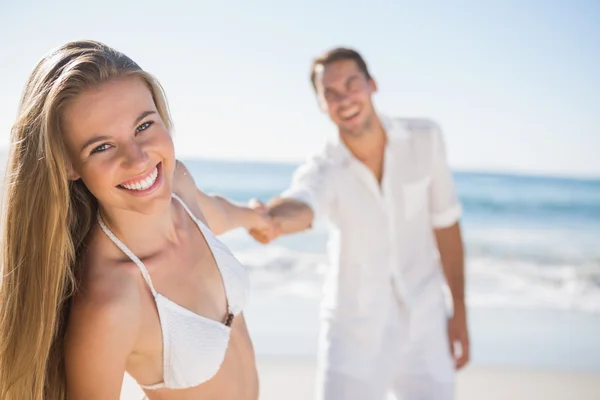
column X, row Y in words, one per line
column 394, row 130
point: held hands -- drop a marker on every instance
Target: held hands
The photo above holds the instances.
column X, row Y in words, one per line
column 265, row 229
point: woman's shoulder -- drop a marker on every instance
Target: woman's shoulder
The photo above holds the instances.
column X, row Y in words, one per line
column 104, row 321
column 183, row 182
column 185, row 187
column 107, row 289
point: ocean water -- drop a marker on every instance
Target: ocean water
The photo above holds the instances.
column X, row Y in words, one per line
column 531, row 242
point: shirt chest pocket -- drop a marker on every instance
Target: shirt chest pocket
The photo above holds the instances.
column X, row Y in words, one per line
column 415, row 197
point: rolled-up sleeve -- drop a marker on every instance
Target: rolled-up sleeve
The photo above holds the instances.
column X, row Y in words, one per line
column 445, row 207
column 309, row 185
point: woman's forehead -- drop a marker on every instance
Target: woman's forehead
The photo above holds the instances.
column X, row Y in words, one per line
column 111, row 104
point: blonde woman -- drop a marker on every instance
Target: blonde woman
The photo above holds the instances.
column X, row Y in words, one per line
column 108, row 262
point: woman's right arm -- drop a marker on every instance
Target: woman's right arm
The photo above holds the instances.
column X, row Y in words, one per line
column 103, row 328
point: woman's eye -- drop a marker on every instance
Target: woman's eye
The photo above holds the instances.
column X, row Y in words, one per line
column 99, row 149
column 144, row 126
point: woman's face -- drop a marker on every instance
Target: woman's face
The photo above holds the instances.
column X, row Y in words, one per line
column 119, row 146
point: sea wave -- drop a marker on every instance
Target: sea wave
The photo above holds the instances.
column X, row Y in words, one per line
column 491, row 282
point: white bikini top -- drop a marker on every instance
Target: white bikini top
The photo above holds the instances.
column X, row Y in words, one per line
column 194, row 346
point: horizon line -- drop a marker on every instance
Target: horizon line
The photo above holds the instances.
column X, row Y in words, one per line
column 592, row 176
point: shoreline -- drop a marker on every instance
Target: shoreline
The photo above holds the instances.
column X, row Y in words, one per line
column 293, row 378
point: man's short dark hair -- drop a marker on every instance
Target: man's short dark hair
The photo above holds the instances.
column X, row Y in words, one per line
column 338, row 54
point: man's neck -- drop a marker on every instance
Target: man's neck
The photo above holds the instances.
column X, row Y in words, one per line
column 369, row 145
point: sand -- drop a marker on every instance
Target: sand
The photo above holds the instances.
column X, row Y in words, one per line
column 292, row 378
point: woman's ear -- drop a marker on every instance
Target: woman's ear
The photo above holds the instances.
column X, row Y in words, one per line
column 71, row 173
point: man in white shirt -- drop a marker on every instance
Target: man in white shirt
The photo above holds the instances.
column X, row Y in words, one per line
column 395, row 243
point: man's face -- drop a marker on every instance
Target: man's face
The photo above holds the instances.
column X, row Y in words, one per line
column 344, row 92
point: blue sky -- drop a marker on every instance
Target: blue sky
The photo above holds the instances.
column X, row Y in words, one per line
column 515, row 86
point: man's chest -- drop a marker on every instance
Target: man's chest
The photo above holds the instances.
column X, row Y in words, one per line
column 364, row 202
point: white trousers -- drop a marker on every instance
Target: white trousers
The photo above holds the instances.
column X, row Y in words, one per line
column 412, row 362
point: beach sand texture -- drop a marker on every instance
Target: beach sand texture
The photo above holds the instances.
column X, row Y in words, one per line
column 292, row 378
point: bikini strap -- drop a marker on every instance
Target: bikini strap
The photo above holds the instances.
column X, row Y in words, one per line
column 128, row 253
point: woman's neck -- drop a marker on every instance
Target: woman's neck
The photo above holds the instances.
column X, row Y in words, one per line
column 143, row 232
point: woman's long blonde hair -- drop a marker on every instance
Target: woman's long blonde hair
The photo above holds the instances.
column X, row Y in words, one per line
column 46, row 218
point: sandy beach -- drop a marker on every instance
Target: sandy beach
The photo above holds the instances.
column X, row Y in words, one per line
column 292, row 378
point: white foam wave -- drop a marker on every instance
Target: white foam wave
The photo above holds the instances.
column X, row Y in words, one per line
column 284, row 271
column 494, row 282
column 491, row 282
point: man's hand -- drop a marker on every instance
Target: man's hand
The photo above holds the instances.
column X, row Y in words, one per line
column 458, row 336
column 266, row 230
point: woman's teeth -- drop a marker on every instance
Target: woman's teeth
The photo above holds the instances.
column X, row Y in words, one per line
column 143, row 184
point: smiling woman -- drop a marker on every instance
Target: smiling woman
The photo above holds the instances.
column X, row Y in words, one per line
column 109, row 254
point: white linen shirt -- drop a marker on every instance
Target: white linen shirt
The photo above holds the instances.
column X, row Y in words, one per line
column 381, row 243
